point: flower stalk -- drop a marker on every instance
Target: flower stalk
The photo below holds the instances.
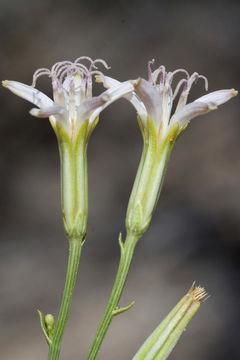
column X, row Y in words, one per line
column 75, row 246
column 127, row 250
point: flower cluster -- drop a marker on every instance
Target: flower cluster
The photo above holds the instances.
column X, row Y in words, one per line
column 74, row 112
column 163, row 113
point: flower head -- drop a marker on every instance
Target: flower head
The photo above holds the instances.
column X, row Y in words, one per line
column 73, row 113
column 72, row 103
column 154, row 98
column 161, row 121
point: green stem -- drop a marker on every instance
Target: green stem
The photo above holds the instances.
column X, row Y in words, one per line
column 127, row 250
column 75, row 246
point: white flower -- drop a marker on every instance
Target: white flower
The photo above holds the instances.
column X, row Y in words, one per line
column 72, row 103
column 161, row 121
column 154, row 98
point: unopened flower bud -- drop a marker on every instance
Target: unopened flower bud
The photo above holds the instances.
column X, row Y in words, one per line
column 49, row 320
column 162, row 341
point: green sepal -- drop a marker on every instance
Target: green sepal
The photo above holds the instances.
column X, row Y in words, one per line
column 80, row 224
column 142, row 128
column 169, row 139
column 92, row 127
column 44, row 327
column 149, row 179
column 135, row 218
column 73, row 154
column 182, row 129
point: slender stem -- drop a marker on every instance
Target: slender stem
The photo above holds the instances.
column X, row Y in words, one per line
column 127, row 250
column 75, row 246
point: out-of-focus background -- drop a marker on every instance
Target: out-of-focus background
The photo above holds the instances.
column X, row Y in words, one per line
column 194, row 234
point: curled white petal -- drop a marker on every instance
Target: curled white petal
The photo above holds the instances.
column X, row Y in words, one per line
column 28, row 93
column 149, row 95
column 88, row 106
column 109, row 82
column 111, row 95
column 140, row 108
column 46, row 112
column 218, row 97
column 190, row 111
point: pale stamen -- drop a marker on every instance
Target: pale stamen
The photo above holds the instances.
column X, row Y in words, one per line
column 168, row 78
column 162, row 74
column 62, row 69
column 193, row 79
column 89, row 80
column 70, row 72
column 181, row 82
column 83, row 67
column 103, row 62
column 56, row 66
column 82, row 70
column 83, row 58
column 97, row 72
column 205, row 81
column 181, row 70
column 38, row 73
column 150, row 77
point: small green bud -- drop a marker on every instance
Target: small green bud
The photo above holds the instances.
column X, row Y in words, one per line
column 47, row 325
column 162, row 341
column 49, row 320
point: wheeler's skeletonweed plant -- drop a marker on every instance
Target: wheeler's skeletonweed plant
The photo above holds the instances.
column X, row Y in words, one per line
column 74, row 113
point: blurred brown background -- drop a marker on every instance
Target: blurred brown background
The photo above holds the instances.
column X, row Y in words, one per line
column 194, row 234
